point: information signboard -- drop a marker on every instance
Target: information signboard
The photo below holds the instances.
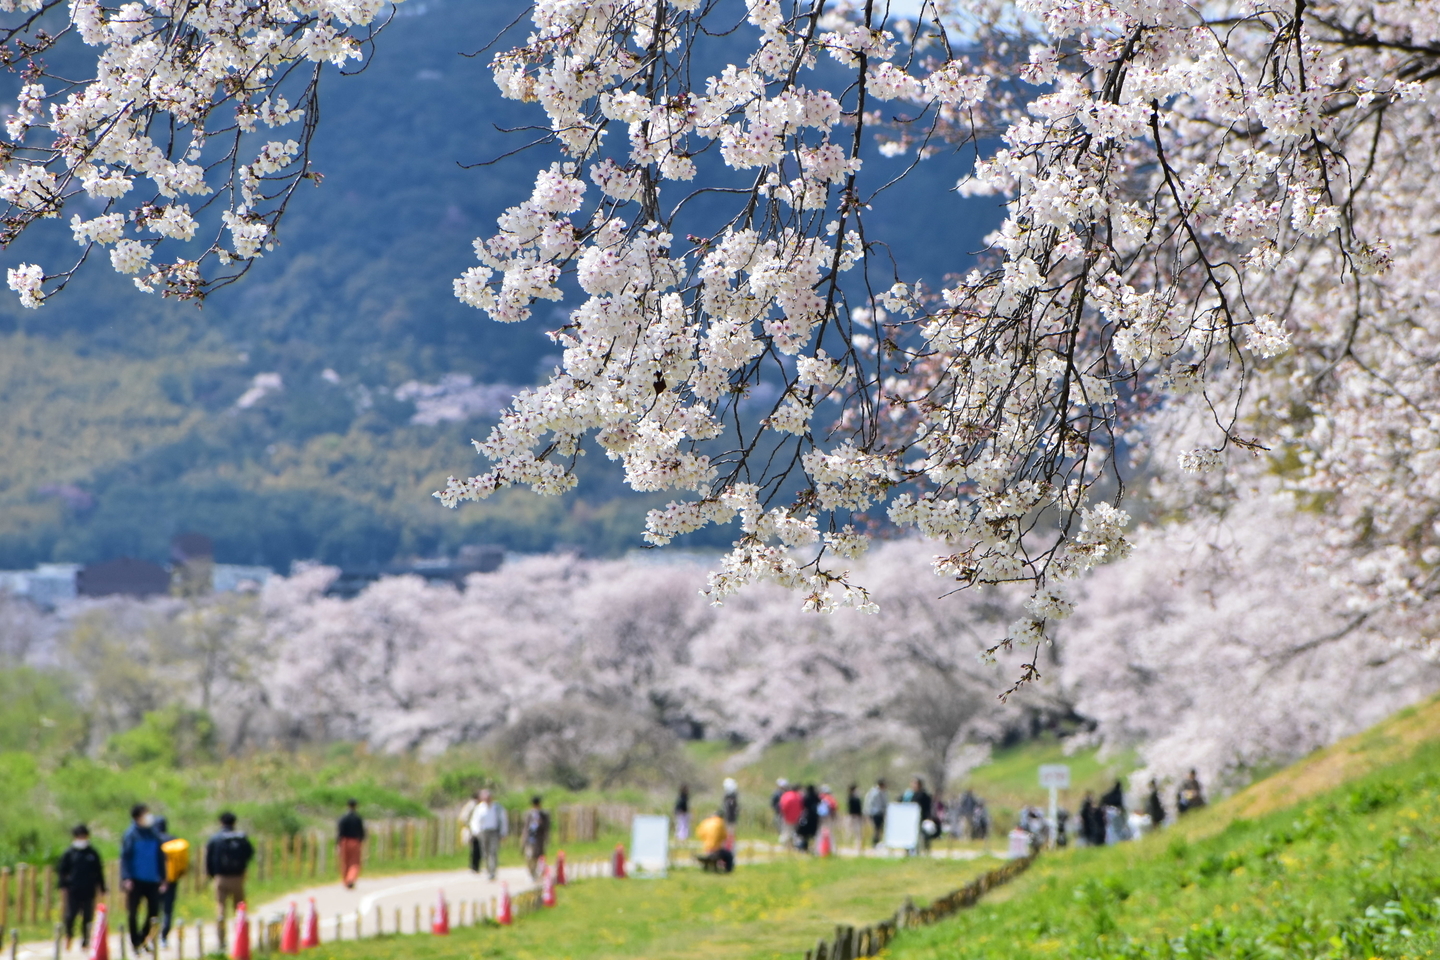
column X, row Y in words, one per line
column 650, row 844
column 1056, row 776
column 902, row 826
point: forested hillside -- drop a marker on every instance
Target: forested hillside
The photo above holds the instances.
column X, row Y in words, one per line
column 128, row 418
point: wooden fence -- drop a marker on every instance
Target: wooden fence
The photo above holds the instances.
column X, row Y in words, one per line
column 29, row 897
column 851, row 942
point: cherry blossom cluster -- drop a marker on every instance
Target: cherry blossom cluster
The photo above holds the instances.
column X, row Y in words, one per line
column 172, row 126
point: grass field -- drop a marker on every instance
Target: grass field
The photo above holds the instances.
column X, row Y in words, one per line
column 1335, row 857
column 767, row 910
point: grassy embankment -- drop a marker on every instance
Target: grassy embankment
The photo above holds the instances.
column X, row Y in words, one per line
column 1332, row 858
column 767, row 910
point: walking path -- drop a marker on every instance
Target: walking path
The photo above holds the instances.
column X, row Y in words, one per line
column 395, row 900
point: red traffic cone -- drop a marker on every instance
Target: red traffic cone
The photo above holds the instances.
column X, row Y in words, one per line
column 827, row 846
column 442, row 917
column 619, row 871
column 312, row 928
column 547, row 889
column 100, row 936
column 240, row 950
column 290, row 932
column 506, row 916
column 560, row 869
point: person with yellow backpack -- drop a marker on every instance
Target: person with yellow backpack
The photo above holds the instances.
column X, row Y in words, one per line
column 177, row 864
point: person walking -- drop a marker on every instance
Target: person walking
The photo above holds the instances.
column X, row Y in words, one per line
column 81, row 874
column 1189, row 796
column 808, row 823
column 536, row 835
column 142, row 872
column 682, row 814
column 980, row 821
column 792, row 806
column 468, row 838
column 1155, row 807
column 1117, row 828
column 965, row 816
column 227, row 857
column 876, row 800
column 489, row 824
column 829, row 807
column 1092, row 821
column 350, row 841
column 730, row 808
column 855, row 816
column 782, row 787
column 918, row 795
column 177, row 864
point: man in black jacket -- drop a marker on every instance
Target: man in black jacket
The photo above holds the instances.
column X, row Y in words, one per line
column 81, row 875
column 227, row 857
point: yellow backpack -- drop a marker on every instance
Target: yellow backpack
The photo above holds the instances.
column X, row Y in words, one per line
column 177, row 858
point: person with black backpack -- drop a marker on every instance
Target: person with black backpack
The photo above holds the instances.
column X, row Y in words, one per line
column 227, row 857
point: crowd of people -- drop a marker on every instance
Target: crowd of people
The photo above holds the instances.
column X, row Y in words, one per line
column 1108, row 820
column 152, row 864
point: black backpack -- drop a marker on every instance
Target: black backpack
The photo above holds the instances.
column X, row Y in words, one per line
column 232, row 855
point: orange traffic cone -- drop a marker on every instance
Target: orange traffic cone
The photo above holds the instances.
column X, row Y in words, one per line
column 241, row 948
column 619, row 871
column 100, row 936
column 290, row 932
column 826, row 846
column 442, row 917
column 547, row 889
column 506, row 916
column 560, row 869
column 312, row 928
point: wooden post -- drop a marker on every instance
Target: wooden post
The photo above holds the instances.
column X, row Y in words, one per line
column 398, row 930
column 22, row 873
column 49, row 894
column 338, row 928
column 4, row 899
column 320, row 848
column 379, row 921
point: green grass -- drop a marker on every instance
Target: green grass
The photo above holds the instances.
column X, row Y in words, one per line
column 767, row 910
column 1350, row 873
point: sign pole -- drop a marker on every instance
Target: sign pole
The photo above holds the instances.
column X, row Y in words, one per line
column 1054, row 821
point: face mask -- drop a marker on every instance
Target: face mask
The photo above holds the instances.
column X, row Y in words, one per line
column 80, row 844
column 147, row 821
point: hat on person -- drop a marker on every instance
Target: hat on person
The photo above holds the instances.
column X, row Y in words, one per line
column 730, row 785
column 782, row 782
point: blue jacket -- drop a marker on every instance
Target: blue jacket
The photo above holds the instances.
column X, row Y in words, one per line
column 140, row 855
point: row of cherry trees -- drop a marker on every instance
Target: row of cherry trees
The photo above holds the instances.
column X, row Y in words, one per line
column 1221, row 643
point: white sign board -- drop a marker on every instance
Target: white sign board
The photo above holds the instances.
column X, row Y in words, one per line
column 1056, row 776
column 650, row 844
column 902, row 826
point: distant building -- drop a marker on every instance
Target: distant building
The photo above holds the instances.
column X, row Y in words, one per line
column 124, row 576
column 237, row 577
column 471, row 559
column 47, row 586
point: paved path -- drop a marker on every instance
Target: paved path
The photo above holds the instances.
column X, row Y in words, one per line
column 394, row 897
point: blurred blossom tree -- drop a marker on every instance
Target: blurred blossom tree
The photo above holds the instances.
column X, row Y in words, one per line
column 1221, row 209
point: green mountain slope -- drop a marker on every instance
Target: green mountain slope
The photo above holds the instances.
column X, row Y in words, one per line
column 130, row 400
